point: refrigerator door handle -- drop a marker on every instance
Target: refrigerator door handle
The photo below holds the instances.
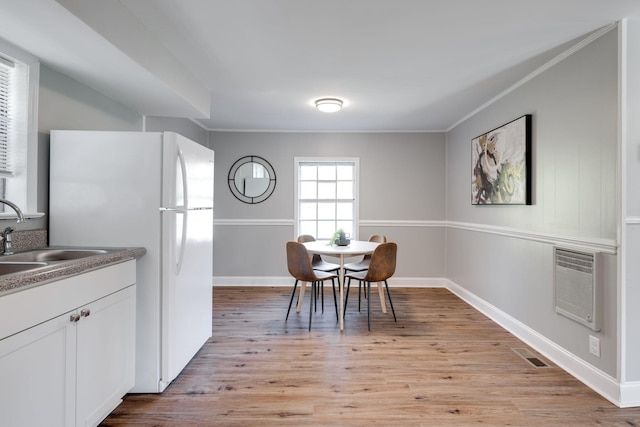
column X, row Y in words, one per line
column 182, row 243
column 183, row 173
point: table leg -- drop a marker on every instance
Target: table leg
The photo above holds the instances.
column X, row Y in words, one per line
column 341, row 286
column 381, row 293
column 303, row 287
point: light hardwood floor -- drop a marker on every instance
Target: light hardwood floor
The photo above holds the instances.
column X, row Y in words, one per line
column 442, row 364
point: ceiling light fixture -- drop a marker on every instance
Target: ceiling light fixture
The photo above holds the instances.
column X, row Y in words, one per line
column 329, row 105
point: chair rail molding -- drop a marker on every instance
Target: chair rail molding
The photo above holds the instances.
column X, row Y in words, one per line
column 632, row 220
column 400, row 223
column 362, row 223
column 255, row 222
column 608, row 246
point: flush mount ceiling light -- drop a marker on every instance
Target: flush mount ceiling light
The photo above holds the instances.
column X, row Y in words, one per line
column 329, row 105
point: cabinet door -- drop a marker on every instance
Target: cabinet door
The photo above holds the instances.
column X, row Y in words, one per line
column 37, row 375
column 105, row 355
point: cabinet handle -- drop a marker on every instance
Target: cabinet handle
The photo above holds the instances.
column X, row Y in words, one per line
column 74, row 317
column 85, row 312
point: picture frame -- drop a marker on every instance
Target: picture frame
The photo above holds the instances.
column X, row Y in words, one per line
column 501, row 164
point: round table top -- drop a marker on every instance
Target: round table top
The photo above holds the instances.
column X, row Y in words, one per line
column 356, row 247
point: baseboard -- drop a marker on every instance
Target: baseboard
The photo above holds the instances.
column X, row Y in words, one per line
column 252, row 281
column 597, row 380
column 630, row 394
column 417, row 282
column 394, row 282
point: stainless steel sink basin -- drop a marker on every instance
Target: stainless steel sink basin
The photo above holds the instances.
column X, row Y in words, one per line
column 52, row 255
column 15, row 267
column 65, row 254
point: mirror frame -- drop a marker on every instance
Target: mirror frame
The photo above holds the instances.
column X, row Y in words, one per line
column 231, row 179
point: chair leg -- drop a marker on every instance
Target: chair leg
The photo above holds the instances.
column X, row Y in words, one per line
column 359, row 290
column 335, row 300
column 295, row 285
column 390, row 302
column 320, row 294
column 369, row 305
column 312, row 298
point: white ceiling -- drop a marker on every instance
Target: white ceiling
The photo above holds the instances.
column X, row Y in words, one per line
column 399, row 65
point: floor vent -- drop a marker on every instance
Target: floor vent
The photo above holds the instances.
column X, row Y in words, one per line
column 530, row 357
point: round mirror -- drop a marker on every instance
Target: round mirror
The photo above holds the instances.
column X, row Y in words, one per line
column 252, row 179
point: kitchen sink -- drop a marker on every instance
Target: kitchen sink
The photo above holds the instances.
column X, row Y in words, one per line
column 16, row 267
column 51, row 255
column 65, row 254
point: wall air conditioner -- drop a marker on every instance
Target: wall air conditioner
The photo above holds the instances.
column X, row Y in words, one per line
column 578, row 293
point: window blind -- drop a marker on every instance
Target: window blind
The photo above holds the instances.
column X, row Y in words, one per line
column 6, row 85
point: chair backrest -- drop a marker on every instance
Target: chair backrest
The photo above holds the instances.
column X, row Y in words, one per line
column 303, row 238
column 379, row 238
column 383, row 262
column 299, row 262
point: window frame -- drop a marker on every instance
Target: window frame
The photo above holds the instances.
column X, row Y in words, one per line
column 356, row 201
column 22, row 188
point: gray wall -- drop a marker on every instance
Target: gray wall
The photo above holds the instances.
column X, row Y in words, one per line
column 401, row 179
column 574, row 107
column 66, row 104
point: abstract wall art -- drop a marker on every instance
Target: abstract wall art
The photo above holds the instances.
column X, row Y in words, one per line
column 501, row 165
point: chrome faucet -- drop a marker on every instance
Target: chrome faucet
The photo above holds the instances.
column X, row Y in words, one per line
column 6, row 234
column 15, row 208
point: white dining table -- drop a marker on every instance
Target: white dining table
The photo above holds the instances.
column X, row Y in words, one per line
column 355, row 248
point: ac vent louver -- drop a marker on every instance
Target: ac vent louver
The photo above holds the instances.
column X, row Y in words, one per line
column 577, row 288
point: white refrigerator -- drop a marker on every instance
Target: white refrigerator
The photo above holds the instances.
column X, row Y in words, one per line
column 149, row 189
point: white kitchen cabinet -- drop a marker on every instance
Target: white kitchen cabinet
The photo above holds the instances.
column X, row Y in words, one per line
column 37, row 368
column 105, row 352
column 74, row 368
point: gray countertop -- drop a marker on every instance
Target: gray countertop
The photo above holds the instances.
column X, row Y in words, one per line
column 57, row 270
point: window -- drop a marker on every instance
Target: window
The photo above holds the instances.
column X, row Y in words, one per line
column 327, row 201
column 19, row 80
